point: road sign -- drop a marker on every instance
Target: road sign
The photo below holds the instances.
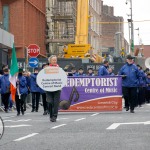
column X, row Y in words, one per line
column 33, row 50
column 33, row 62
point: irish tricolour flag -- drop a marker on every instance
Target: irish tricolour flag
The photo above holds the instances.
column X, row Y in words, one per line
column 13, row 73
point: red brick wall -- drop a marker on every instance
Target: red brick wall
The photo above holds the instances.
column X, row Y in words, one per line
column 27, row 23
column 146, row 50
column 35, row 24
column 109, row 30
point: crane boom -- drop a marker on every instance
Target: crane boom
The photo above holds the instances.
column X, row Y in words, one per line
column 82, row 22
column 81, row 46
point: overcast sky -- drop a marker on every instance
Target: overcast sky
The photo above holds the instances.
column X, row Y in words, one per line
column 141, row 12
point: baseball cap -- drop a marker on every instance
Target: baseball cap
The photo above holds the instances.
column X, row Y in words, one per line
column 129, row 57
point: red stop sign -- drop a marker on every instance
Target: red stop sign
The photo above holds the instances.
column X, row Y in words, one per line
column 33, row 50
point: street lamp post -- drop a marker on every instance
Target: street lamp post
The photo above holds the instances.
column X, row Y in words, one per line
column 132, row 27
column 118, row 43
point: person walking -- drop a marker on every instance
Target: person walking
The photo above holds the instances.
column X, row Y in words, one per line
column 5, row 88
column 130, row 80
column 35, row 90
column 141, row 87
column 27, row 76
column 148, row 88
column 43, row 93
column 21, row 92
column 53, row 98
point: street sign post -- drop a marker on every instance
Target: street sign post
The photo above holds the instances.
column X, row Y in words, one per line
column 33, row 50
column 33, row 62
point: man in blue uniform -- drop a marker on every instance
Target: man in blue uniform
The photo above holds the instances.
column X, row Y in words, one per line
column 5, row 88
column 35, row 90
column 21, row 93
column 103, row 70
column 130, row 82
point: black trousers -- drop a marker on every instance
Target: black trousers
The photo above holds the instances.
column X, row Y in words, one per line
column 45, row 105
column 147, row 93
column 141, row 95
column 130, row 96
column 53, row 99
column 5, row 100
column 25, row 101
column 20, row 103
column 35, row 100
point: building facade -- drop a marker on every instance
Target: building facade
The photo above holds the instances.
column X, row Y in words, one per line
column 61, row 24
column 95, row 29
column 112, row 31
column 61, row 19
column 26, row 20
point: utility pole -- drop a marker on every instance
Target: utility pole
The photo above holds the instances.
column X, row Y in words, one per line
column 132, row 27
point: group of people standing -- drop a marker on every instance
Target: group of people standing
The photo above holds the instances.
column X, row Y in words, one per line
column 135, row 83
column 26, row 83
column 135, row 87
column 104, row 70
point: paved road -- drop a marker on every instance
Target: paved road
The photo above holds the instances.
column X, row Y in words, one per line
column 78, row 131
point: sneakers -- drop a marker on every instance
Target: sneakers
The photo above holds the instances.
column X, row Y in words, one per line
column 53, row 119
column 18, row 114
column 6, row 110
column 131, row 111
column 45, row 113
column 127, row 108
column 32, row 110
column 22, row 112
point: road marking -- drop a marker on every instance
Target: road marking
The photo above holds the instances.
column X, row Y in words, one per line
column 94, row 114
column 113, row 126
column 116, row 125
column 25, row 137
column 147, row 122
column 14, row 116
column 62, row 118
column 22, row 120
column 8, row 117
column 17, row 126
column 80, row 119
column 58, row 126
column 27, row 113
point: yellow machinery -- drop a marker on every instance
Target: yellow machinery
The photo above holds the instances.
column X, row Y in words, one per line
column 81, row 46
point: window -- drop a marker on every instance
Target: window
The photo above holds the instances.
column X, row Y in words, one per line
column 6, row 17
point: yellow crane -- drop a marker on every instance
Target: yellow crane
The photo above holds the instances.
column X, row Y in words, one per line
column 81, row 46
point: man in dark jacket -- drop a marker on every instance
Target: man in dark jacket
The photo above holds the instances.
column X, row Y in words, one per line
column 103, row 70
column 130, row 83
column 35, row 90
column 21, row 93
column 5, row 88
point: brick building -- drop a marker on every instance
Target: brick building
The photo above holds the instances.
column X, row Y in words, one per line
column 112, row 31
column 26, row 20
column 110, row 26
column 144, row 49
column 94, row 25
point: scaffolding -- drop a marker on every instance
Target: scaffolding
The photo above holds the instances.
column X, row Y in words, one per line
column 61, row 20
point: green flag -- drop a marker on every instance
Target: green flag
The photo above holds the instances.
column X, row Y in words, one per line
column 14, row 64
column 13, row 73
